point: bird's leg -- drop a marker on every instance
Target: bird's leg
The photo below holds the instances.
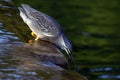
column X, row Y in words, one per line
column 36, row 39
column 33, row 34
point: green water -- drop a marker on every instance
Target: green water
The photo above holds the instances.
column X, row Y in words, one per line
column 93, row 26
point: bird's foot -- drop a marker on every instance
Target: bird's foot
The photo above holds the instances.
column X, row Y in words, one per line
column 37, row 38
column 31, row 41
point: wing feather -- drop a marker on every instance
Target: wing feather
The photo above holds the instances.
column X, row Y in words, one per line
column 47, row 25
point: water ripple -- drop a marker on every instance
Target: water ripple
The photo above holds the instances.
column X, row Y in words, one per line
column 110, row 76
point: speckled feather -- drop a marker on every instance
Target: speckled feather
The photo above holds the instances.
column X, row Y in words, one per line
column 41, row 22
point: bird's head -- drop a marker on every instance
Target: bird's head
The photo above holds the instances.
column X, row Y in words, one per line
column 63, row 43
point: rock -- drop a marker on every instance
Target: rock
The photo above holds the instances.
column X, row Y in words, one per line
column 39, row 61
column 42, row 51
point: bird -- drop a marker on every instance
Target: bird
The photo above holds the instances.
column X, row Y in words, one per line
column 45, row 28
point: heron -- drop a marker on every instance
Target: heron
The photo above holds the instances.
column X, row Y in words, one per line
column 45, row 28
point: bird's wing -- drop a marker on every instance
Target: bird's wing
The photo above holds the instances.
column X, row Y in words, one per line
column 47, row 25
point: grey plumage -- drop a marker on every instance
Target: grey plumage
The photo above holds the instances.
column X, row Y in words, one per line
column 45, row 27
column 42, row 22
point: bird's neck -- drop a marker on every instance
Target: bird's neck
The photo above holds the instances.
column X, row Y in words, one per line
column 59, row 41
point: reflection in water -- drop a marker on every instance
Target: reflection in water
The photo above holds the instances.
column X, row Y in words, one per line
column 109, row 76
column 106, row 76
column 101, row 69
column 7, row 0
column 7, row 37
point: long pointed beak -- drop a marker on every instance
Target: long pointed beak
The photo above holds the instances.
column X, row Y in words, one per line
column 70, row 56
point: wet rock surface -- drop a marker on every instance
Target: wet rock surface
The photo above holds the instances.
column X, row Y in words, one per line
column 41, row 51
column 28, row 61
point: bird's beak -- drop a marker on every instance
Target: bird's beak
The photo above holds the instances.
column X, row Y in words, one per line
column 70, row 55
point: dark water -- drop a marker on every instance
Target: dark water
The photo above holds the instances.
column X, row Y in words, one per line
column 93, row 26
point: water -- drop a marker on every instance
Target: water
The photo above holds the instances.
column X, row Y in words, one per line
column 92, row 26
